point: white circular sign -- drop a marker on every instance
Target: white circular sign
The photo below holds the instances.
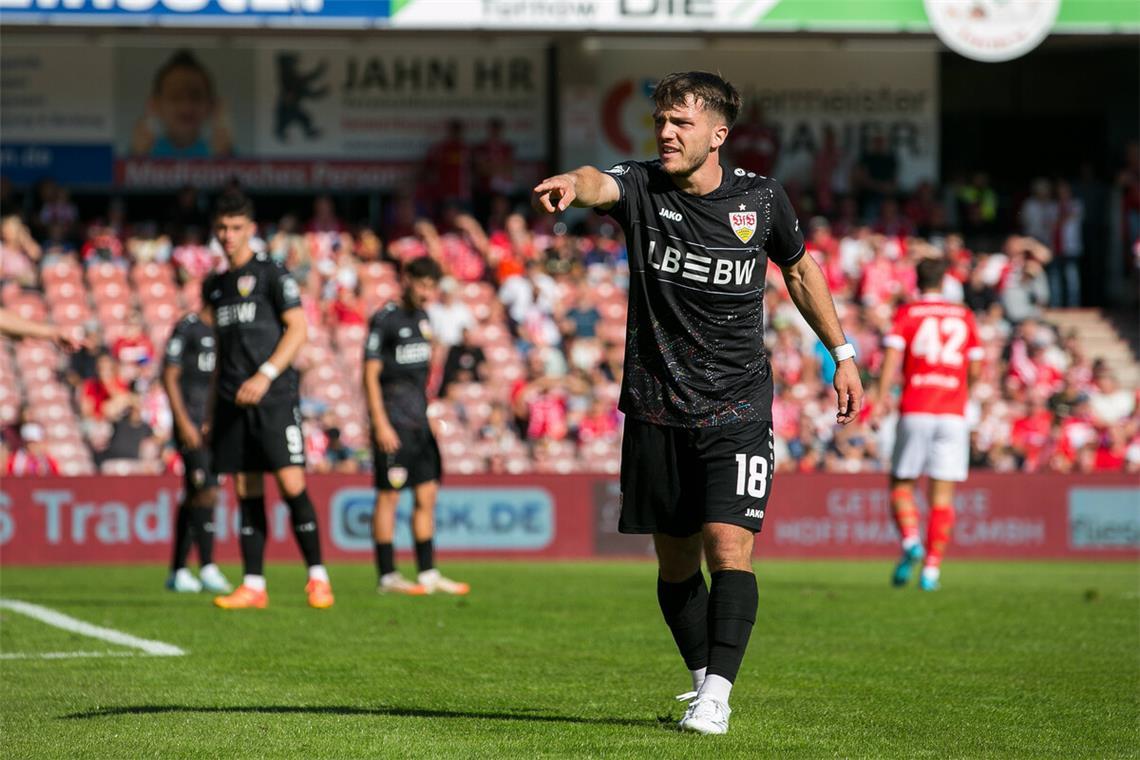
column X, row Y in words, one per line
column 992, row 30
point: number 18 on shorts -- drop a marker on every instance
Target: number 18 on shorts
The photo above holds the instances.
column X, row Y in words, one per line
column 674, row 480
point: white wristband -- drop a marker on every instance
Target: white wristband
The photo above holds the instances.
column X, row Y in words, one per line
column 845, row 351
column 269, row 371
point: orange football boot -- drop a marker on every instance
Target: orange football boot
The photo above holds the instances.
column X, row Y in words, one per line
column 243, row 598
column 320, row 594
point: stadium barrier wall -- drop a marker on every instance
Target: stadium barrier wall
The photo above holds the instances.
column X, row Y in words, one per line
column 131, row 519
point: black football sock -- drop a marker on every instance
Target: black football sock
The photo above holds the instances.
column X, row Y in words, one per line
column 685, row 607
column 425, row 555
column 305, row 527
column 732, row 612
column 202, row 520
column 253, row 529
column 182, row 534
column 385, row 558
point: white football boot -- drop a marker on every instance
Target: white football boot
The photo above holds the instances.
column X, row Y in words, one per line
column 705, row 715
column 213, row 580
column 435, row 583
column 183, row 581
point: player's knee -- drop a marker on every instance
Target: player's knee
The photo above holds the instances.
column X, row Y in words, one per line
column 291, row 481
column 728, row 547
column 249, row 485
column 677, row 558
column 205, row 498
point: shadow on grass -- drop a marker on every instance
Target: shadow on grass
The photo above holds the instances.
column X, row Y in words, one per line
column 378, row 712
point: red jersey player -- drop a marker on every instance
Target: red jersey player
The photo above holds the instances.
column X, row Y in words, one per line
column 936, row 343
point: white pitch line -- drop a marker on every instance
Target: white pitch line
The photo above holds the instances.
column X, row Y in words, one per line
column 60, row 655
column 110, row 635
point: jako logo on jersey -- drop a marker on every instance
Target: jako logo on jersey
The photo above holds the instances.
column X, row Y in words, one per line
column 757, row 513
column 674, row 216
column 241, row 313
column 245, row 284
column 618, row 170
column 704, row 269
column 743, row 224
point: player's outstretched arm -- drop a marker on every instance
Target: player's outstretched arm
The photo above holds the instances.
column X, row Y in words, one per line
column 15, row 326
column 808, row 290
column 585, row 187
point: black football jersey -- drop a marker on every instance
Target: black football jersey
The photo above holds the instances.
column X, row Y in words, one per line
column 248, row 303
column 695, row 352
column 401, row 340
column 191, row 348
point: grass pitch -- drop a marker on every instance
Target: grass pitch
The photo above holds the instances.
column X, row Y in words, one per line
column 572, row 660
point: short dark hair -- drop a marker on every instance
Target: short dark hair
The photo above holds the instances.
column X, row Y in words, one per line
column 424, row 266
column 233, row 204
column 711, row 91
column 930, row 273
column 182, row 59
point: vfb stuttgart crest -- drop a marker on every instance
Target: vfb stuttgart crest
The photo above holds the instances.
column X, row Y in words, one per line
column 743, row 224
column 246, row 283
column 397, row 476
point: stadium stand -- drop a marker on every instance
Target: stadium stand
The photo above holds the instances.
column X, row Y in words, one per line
column 530, row 382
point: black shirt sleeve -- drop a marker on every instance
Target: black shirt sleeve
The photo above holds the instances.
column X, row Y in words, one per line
column 208, row 288
column 786, row 243
column 374, row 343
column 176, row 347
column 632, row 179
column 284, row 291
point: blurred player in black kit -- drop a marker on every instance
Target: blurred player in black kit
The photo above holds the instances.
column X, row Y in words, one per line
column 256, row 419
column 697, row 452
column 397, row 362
column 187, row 371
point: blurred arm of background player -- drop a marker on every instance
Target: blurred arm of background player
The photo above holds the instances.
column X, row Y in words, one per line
column 15, row 326
column 188, row 432
column 585, row 187
column 296, row 333
column 386, row 438
column 810, row 294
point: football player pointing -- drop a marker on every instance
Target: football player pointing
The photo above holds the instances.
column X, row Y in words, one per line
column 697, row 452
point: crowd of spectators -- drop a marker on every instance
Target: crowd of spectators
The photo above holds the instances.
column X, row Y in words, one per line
column 530, row 327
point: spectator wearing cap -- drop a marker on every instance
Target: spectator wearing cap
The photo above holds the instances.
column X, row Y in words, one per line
column 31, row 458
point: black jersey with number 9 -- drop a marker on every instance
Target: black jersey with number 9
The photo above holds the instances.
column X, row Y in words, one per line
column 694, row 352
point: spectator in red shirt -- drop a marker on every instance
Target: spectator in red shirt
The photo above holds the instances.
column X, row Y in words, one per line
column 32, row 458
column 755, row 145
column 600, row 422
column 1031, row 431
column 104, row 396
column 494, row 168
column 448, row 168
column 346, row 308
column 134, row 347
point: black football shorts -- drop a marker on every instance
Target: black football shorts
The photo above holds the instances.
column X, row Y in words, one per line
column 198, row 475
column 674, row 480
column 416, row 461
column 257, row 438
